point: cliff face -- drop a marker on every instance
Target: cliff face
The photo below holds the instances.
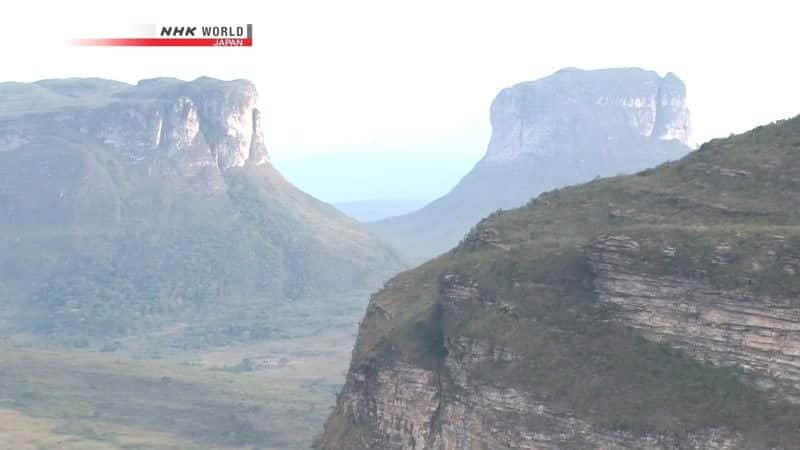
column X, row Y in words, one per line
column 133, row 207
column 651, row 311
column 163, row 124
column 568, row 113
column 567, row 128
column 680, row 300
column 405, row 406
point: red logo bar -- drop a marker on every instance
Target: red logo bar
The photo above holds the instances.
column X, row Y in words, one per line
column 163, row 42
column 172, row 35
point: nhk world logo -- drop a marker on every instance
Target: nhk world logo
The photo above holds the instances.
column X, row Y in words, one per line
column 171, row 35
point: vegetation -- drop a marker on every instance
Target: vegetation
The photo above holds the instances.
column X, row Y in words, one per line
column 94, row 247
column 212, row 388
column 96, row 401
column 741, row 195
column 250, row 287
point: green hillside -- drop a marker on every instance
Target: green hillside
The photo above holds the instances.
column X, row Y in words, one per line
column 126, row 209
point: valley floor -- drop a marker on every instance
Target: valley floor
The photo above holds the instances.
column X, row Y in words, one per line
column 259, row 394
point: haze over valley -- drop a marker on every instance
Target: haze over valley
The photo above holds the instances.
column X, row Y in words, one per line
column 370, row 186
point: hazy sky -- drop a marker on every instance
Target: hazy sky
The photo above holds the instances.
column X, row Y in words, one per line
column 419, row 76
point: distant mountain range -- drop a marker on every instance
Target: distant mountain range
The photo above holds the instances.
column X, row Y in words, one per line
column 126, row 208
column 567, row 128
column 372, row 210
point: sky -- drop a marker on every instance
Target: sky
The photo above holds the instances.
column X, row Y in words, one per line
column 419, row 76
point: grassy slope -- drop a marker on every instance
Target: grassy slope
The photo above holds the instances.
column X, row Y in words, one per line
column 733, row 190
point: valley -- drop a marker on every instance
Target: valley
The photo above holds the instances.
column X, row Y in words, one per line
column 261, row 394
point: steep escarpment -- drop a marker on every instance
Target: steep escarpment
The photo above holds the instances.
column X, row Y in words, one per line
column 130, row 208
column 656, row 310
column 567, row 128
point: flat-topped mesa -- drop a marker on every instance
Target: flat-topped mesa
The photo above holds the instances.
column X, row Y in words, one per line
column 195, row 124
column 549, row 116
column 567, row 128
column 141, row 206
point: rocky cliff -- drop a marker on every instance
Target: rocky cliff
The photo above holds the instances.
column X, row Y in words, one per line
column 573, row 112
column 656, row 310
column 158, row 123
column 567, row 128
column 126, row 208
column 680, row 296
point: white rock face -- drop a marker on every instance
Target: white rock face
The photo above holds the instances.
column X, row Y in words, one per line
column 258, row 150
column 184, row 125
column 162, row 127
column 240, row 130
column 572, row 107
column 673, row 120
column 191, row 124
column 231, row 123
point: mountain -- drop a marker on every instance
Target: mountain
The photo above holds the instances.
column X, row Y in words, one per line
column 650, row 311
column 567, row 128
column 128, row 208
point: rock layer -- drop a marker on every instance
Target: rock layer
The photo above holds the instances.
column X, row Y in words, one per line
column 728, row 327
column 403, row 404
